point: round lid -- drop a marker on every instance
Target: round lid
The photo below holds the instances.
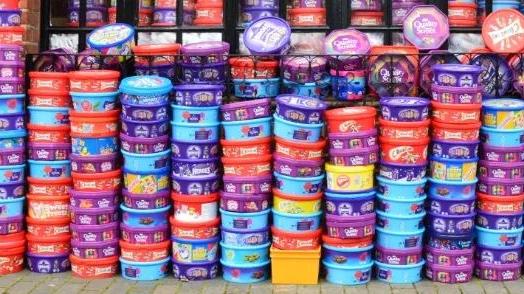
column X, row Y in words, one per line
column 503, row 31
column 94, row 74
column 401, row 101
column 157, row 48
column 110, row 35
column 302, row 102
column 145, row 85
column 346, row 42
column 354, row 112
column 301, row 62
column 247, row 103
column 204, row 48
column 267, row 35
column 460, row 68
column 426, row 27
column 504, row 103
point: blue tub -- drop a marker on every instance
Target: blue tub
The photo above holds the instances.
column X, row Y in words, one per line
column 399, row 274
column 400, row 223
column 502, row 138
column 195, row 250
column 348, row 275
column 94, row 102
column 144, row 271
column 400, row 206
column 12, row 103
column 498, row 238
column 146, row 162
column 256, row 88
column 319, row 89
column 12, row 207
column 245, row 238
column 94, row 146
column 401, row 189
column 12, row 173
column 149, row 182
column 247, row 129
column 399, row 240
column 245, row 273
column 296, row 131
column 452, row 189
column 298, row 186
column 195, row 115
column 189, row 132
column 12, row 139
column 347, row 256
column 297, row 222
column 245, row 254
column 245, row 221
column 40, row 169
column 144, row 218
column 459, row 170
column 39, row 115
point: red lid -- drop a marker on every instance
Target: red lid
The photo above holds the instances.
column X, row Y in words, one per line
column 249, row 62
column 63, row 181
column 58, row 238
column 13, row 237
column 405, row 124
column 367, row 13
column 12, row 29
column 456, row 126
column 86, row 115
column 48, row 74
column 50, row 221
column 205, row 22
column 437, row 105
column 244, row 160
column 93, row 261
column 455, row 4
column 176, row 223
column 421, row 141
column 351, row 112
column 94, row 74
column 503, row 31
column 307, row 10
column 280, row 194
column 194, row 198
column 48, row 197
column 208, row 4
column 308, row 234
column 483, row 196
column 138, row 246
column 462, row 22
column 306, row 145
column 41, row 92
column 64, row 128
column 154, row 49
column 336, row 242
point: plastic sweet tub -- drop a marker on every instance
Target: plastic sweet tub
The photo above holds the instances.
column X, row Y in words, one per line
column 399, row 274
column 399, row 240
column 144, row 271
column 354, row 204
column 400, row 223
column 296, row 222
column 306, row 186
column 401, row 190
column 194, row 250
column 348, row 274
column 349, row 179
column 240, row 255
column 245, row 221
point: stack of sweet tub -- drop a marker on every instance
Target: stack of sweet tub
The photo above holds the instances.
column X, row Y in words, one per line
column 49, row 164
column 12, row 167
column 500, row 191
column 306, row 76
column 456, row 95
column 96, row 174
column 404, row 140
column 146, row 205
column 350, row 197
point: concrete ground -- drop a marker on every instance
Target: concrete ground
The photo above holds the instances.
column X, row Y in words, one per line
column 26, row 282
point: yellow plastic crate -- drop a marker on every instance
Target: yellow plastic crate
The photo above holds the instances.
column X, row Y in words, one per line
column 300, row 267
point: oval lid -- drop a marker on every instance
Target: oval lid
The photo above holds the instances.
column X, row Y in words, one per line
column 346, row 42
column 503, row 31
column 356, row 112
column 205, row 48
column 460, row 68
column 110, row 35
column 426, row 27
column 267, row 35
column 302, row 102
column 145, row 85
column 504, row 104
column 402, row 101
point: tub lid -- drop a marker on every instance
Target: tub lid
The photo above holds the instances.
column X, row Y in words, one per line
column 296, row 62
column 94, row 74
column 94, row 158
column 157, row 48
column 199, row 87
column 346, row 42
column 267, row 35
column 205, row 48
column 246, row 104
column 286, row 160
column 353, row 151
column 252, row 62
column 401, row 101
column 111, row 35
column 503, row 104
column 426, row 27
column 146, row 85
column 401, row 252
column 11, row 47
column 460, row 68
column 301, row 102
column 364, row 134
column 496, row 34
column 353, row 112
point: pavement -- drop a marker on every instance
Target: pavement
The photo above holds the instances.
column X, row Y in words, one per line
column 27, row 282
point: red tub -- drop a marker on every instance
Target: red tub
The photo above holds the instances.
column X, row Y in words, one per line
column 12, row 35
column 462, row 11
column 144, row 252
column 48, row 227
column 195, row 208
column 456, row 132
column 455, row 113
column 12, row 255
column 296, row 241
column 248, row 166
column 300, row 150
column 57, row 187
column 52, row 245
column 155, row 55
column 100, row 268
column 246, row 148
column 48, row 134
column 50, row 98
column 351, row 119
column 41, row 80
column 250, row 68
column 498, row 204
column 210, row 13
column 403, row 151
column 109, row 181
column 404, row 130
column 367, row 18
column 348, row 243
column 188, row 230
column 94, row 81
column 47, row 207
column 307, row 17
column 92, row 123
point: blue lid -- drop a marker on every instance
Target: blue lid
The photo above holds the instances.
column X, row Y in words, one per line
column 12, row 96
column 145, row 85
column 100, row 94
column 504, row 104
column 13, row 134
column 112, row 35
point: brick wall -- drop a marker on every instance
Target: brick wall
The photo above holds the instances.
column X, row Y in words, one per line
column 31, row 22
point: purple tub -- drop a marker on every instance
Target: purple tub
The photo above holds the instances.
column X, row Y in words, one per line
column 303, row 69
column 373, row 5
column 11, row 52
column 491, row 255
column 12, row 122
column 350, row 227
column 243, row 238
column 164, row 17
column 199, row 95
column 95, row 233
column 450, row 242
column 451, row 224
column 501, row 170
column 196, row 185
column 149, row 235
column 94, row 163
column 450, row 257
column 455, row 150
column 12, row 156
column 145, row 112
column 11, row 86
column 457, row 75
column 146, row 201
column 297, row 168
column 246, row 110
column 102, row 199
column 506, row 221
column 398, row 256
column 350, row 204
column 307, row 3
column 11, row 225
column 353, row 140
column 347, row 256
column 48, row 264
column 11, row 69
column 205, row 52
column 195, row 167
column 300, row 109
column 204, row 74
column 145, row 129
column 195, row 271
column 10, row 18
column 400, row 172
column 404, row 109
column 12, row 190
column 94, row 250
column 194, row 150
column 353, row 157
column 498, row 272
column 449, row 274
column 166, row 71
column 244, row 203
column 144, row 145
column 88, row 216
column 502, row 154
column 501, row 187
column 251, row 14
column 49, row 151
column 446, row 206
column 248, row 185
column 259, row 3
